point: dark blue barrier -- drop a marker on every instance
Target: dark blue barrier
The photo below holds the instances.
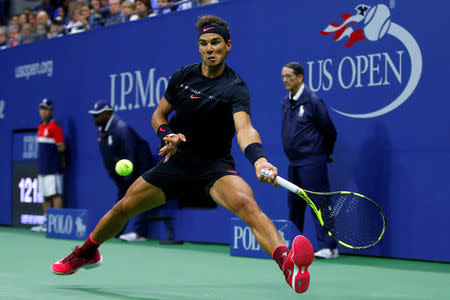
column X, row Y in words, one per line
column 384, row 77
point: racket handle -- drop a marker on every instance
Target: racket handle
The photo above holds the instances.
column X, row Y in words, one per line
column 288, row 185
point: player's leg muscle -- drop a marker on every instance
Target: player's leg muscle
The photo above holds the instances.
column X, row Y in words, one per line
column 233, row 193
column 141, row 196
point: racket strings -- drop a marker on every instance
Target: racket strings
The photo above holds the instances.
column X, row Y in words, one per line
column 352, row 219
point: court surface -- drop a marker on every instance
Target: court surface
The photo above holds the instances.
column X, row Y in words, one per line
column 201, row 271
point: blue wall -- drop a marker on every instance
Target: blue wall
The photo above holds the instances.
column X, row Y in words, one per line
column 387, row 95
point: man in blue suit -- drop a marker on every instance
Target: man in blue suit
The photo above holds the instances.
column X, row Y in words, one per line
column 308, row 138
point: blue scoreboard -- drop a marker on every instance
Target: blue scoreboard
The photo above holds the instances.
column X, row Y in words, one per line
column 26, row 200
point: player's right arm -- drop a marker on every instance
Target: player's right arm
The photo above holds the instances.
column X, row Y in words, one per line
column 160, row 125
column 247, row 135
column 160, row 116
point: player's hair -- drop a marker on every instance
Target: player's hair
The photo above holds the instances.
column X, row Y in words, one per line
column 208, row 20
column 296, row 67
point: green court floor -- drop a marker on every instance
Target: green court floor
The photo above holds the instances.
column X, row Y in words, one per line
column 200, row 271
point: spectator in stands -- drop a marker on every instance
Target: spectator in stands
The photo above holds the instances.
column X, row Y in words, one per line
column 3, row 38
column 117, row 140
column 26, row 34
column 78, row 23
column 85, row 12
column 116, row 15
column 128, row 9
column 71, row 10
column 27, row 11
column 51, row 160
column 14, row 20
column 23, row 19
column 60, row 13
column 46, row 6
column 41, row 32
column 32, row 18
column 96, row 13
column 105, row 13
column 43, row 19
column 162, row 4
column 57, row 28
column 13, row 36
column 96, row 7
column 146, row 8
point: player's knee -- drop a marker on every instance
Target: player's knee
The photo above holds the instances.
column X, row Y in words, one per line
column 120, row 211
column 247, row 206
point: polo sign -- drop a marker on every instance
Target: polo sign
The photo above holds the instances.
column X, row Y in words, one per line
column 67, row 223
column 243, row 241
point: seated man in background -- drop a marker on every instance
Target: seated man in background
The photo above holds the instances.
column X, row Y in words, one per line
column 13, row 36
column 43, row 19
column 115, row 13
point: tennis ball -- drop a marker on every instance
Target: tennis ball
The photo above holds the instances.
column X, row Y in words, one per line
column 124, row 167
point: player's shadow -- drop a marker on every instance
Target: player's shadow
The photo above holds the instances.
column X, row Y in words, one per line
column 104, row 292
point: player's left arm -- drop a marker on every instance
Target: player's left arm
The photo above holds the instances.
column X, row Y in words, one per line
column 248, row 136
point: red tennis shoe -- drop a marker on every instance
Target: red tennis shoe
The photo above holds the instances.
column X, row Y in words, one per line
column 295, row 267
column 71, row 263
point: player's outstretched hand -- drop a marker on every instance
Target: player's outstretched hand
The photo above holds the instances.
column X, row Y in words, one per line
column 172, row 141
column 266, row 172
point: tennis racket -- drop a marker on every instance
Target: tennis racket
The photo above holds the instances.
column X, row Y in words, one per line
column 352, row 219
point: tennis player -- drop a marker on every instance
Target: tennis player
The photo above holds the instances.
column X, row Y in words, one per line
column 211, row 103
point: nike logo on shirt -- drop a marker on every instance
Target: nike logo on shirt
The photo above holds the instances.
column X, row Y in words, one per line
column 194, row 97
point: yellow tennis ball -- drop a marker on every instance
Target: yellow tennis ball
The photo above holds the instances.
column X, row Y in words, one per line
column 124, row 167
